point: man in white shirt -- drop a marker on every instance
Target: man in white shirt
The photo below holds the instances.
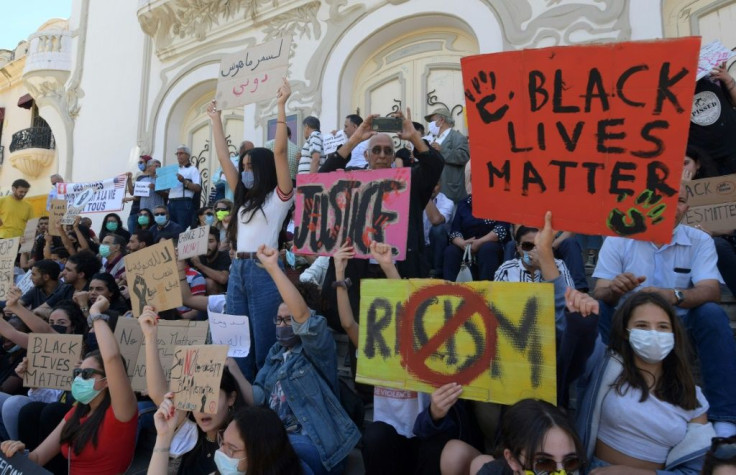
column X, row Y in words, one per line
column 437, row 216
column 312, row 152
column 357, row 156
column 181, row 197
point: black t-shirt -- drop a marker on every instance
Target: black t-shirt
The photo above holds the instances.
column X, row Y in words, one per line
column 221, row 262
column 713, row 120
column 36, row 297
column 201, row 459
column 497, row 467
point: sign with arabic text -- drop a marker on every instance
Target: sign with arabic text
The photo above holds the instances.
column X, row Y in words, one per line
column 153, row 278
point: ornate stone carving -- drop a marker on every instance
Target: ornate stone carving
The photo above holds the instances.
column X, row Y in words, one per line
column 32, row 161
column 299, row 22
column 539, row 23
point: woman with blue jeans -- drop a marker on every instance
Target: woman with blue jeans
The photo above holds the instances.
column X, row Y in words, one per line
column 263, row 197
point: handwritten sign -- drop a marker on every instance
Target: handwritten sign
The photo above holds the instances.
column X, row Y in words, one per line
column 497, row 339
column 195, row 377
column 193, row 242
column 166, row 177
column 52, row 358
column 153, row 278
column 76, row 207
column 103, row 196
column 56, row 214
column 331, row 142
column 29, row 235
column 596, row 134
column 8, row 253
column 254, row 74
column 142, row 188
column 362, row 206
column 230, row 330
column 170, row 334
column 20, row 464
column 129, row 336
column 711, row 56
column 25, row 283
column 712, row 203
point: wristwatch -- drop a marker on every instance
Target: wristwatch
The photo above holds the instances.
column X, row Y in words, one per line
column 679, row 297
column 345, row 284
column 97, row 316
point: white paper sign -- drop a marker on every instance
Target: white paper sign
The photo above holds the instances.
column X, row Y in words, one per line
column 193, row 242
column 25, row 283
column 142, row 188
column 94, row 197
column 331, row 142
column 231, row 330
column 711, row 56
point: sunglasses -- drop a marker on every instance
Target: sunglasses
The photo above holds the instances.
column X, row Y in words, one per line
column 87, row 373
column 386, row 150
column 527, row 246
column 548, row 466
column 209, row 214
column 222, row 209
column 278, row 319
column 159, row 214
column 723, row 448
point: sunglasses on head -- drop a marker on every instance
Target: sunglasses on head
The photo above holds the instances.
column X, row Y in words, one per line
column 87, row 373
column 548, row 466
column 386, row 150
column 527, row 246
column 723, row 448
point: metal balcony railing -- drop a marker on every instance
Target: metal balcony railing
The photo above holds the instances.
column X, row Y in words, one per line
column 34, row 137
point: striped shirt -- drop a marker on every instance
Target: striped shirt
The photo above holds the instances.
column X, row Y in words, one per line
column 514, row 271
column 313, row 144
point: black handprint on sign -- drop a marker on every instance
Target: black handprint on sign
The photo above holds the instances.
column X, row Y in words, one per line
column 486, row 84
column 633, row 221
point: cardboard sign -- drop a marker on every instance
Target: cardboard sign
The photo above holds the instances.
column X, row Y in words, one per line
column 51, row 360
column 230, row 330
column 711, row 56
column 104, row 196
column 195, row 377
column 25, row 283
column 362, row 206
column 166, row 177
column 20, row 464
column 8, row 253
column 29, row 235
column 56, row 215
column 496, row 339
column 129, row 336
column 193, row 242
column 153, row 278
column 254, row 74
column 331, row 142
column 596, row 134
column 714, row 218
column 709, row 191
column 142, row 188
column 170, row 334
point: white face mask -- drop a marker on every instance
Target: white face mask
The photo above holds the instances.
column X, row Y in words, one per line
column 650, row 345
column 434, row 129
column 184, row 439
column 227, row 465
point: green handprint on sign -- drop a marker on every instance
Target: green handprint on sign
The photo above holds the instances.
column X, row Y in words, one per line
column 647, row 207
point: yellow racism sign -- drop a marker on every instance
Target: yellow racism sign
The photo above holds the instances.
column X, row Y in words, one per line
column 497, row 339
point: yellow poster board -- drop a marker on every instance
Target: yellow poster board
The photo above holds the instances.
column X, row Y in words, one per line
column 497, row 339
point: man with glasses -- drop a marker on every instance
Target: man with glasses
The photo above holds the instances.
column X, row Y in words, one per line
column 164, row 224
column 454, row 149
column 182, row 196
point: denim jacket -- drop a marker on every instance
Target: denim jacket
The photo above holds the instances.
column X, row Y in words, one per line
column 304, row 378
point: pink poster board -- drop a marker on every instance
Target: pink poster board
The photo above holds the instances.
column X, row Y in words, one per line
column 363, row 206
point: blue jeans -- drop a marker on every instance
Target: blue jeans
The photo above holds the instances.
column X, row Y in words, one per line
column 436, row 249
column 252, row 292
column 132, row 222
column 487, row 260
column 308, row 454
column 569, row 251
column 710, row 332
column 182, row 212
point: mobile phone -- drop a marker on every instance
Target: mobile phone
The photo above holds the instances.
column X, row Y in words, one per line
column 387, row 124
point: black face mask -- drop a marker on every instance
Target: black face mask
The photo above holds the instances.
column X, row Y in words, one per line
column 91, row 341
column 60, row 329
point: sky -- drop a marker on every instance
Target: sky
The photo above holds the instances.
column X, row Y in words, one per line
column 21, row 18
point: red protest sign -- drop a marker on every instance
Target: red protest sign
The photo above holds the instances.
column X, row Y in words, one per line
column 362, row 206
column 596, row 134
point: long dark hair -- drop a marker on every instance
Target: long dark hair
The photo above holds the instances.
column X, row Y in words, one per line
column 266, row 443
column 151, row 222
column 706, row 166
column 676, row 385
column 248, row 201
column 78, row 434
column 78, row 321
column 525, row 425
column 110, row 283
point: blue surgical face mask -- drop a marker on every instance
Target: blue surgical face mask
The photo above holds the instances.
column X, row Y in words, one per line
column 526, row 258
column 84, row 390
column 160, row 220
column 209, row 219
column 104, row 250
column 290, row 259
column 142, row 166
column 248, row 178
column 227, row 465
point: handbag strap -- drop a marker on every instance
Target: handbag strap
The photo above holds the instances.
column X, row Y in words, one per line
column 467, row 255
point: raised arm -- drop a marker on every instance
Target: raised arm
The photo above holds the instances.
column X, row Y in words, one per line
column 223, row 154
column 280, row 143
column 35, row 323
column 269, row 258
column 381, row 252
column 155, row 377
column 344, row 310
column 122, row 397
column 543, row 244
column 8, row 331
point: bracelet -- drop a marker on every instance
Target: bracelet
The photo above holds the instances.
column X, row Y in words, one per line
column 161, row 449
